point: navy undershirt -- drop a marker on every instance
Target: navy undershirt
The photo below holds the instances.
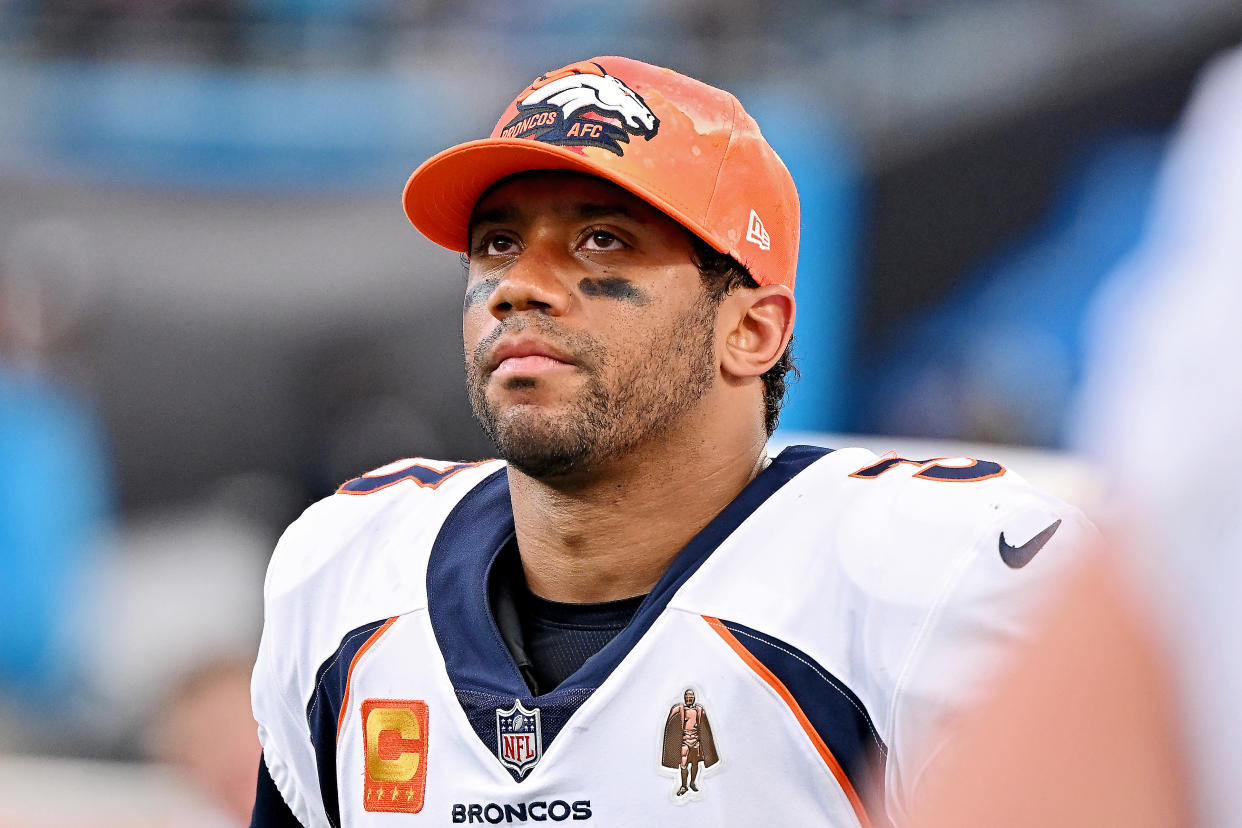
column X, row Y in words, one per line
column 550, row 640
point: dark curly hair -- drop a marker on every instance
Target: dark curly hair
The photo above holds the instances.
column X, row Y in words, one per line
column 722, row 274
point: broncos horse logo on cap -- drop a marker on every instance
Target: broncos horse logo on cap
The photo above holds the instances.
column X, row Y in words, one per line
column 579, row 108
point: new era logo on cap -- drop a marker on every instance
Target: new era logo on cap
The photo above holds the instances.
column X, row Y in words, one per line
column 757, row 233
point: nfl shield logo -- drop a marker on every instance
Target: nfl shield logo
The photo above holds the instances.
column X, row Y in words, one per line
column 519, row 740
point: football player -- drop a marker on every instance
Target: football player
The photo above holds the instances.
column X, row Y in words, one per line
column 498, row 642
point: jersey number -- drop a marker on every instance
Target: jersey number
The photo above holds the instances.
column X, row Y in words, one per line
column 941, row 469
column 424, row 476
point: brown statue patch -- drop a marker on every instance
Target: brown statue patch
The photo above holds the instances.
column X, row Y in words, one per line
column 688, row 742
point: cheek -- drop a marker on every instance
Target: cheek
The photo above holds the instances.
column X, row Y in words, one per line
column 476, row 324
column 639, row 340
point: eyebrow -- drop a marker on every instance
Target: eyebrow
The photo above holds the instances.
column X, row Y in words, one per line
column 508, row 212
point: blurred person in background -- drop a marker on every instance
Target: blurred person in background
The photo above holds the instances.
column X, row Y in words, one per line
column 57, row 499
column 90, row 634
column 1125, row 712
column 205, row 731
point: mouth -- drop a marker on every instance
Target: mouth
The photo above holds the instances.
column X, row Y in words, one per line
column 526, row 357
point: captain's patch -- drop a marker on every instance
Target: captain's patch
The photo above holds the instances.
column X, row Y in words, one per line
column 394, row 736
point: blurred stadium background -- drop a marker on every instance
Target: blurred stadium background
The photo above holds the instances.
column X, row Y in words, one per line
column 213, row 311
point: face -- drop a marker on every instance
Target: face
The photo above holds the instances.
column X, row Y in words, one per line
column 689, row 698
column 586, row 326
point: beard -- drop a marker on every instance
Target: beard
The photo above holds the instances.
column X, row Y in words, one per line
column 624, row 400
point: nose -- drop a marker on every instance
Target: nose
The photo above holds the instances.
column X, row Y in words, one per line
column 536, row 281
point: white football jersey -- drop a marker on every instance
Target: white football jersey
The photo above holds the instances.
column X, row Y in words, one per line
column 827, row 622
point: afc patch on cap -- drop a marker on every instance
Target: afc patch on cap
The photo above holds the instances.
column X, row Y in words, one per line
column 394, row 738
column 582, row 106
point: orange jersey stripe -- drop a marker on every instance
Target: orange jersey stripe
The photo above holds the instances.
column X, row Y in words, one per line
column 349, row 677
column 781, row 690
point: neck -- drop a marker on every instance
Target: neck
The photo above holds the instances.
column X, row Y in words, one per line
column 611, row 532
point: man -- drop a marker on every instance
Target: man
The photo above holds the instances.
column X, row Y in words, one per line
column 474, row 642
column 688, row 741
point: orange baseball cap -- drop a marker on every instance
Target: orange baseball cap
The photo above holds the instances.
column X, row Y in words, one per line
column 684, row 147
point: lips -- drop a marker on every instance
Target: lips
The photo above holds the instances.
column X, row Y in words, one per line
column 526, row 355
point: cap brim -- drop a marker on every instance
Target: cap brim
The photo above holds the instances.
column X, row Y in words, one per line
column 441, row 194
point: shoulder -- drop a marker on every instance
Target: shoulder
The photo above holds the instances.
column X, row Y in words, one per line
column 927, row 532
column 361, row 554
column 879, row 568
column 895, row 520
column 858, row 547
column 889, row 532
column 945, row 562
column 935, row 568
column 351, row 559
column 354, row 557
column 355, row 526
column 931, row 543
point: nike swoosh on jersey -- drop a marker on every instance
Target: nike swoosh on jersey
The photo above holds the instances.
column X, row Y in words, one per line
column 1016, row 557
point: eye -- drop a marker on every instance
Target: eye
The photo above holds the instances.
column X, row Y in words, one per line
column 495, row 244
column 602, row 240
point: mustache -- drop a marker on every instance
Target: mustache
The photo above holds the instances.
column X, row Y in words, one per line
column 582, row 347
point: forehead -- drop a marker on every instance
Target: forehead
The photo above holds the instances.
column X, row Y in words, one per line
column 562, row 192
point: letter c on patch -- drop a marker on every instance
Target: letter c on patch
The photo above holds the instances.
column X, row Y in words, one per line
column 403, row 768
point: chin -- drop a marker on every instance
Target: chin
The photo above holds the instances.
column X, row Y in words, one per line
column 544, row 465
column 538, row 432
column 541, row 452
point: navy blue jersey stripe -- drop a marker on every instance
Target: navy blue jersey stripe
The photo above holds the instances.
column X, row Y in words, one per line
column 836, row 713
column 475, row 656
column 324, row 709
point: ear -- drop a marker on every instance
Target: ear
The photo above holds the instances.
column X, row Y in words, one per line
column 758, row 323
